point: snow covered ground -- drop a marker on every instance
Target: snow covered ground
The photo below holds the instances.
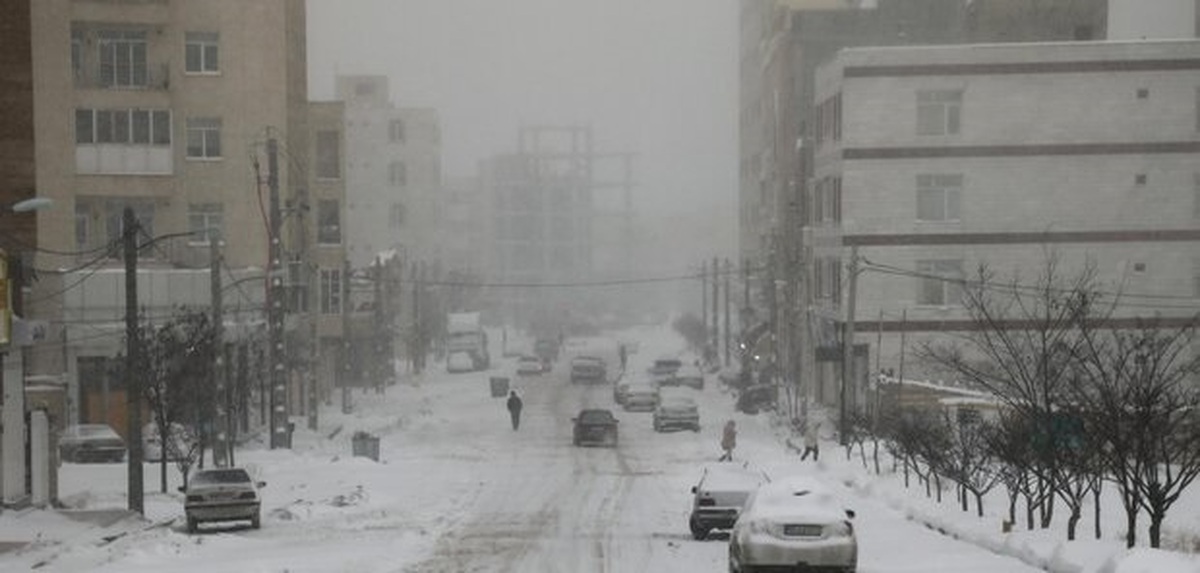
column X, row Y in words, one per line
column 457, row 490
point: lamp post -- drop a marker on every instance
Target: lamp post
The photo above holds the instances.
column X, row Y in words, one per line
column 12, row 378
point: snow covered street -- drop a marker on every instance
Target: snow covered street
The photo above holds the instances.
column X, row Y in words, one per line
column 458, row 490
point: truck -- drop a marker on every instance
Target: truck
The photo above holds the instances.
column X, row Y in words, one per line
column 465, row 335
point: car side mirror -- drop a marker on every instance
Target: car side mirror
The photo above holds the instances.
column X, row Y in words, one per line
column 182, row 489
column 850, row 513
column 261, row 484
column 694, row 489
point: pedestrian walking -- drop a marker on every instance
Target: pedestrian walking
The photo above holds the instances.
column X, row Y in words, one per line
column 728, row 441
column 514, row 409
column 811, row 445
column 624, row 357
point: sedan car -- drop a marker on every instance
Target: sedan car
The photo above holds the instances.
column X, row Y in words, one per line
column 640, row 397
column 793, row 523
column 222, row 494
column 595, row 426
column 90, row 443
column 690, row 376
column 588, row 369
column 719, row 496
column 529, row 366
column 676, row 413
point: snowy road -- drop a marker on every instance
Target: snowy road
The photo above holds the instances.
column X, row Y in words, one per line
column 458, row 490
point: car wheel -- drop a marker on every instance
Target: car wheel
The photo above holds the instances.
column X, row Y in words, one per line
column 256, row 521
column 191, row 524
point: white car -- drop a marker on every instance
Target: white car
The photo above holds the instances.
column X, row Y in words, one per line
column 640, row 397
column 676, row 412
column 222, row 494
column 459, row 362
column 795, row 522
column 529, row 366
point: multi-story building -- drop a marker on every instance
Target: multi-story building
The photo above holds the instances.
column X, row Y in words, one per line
column 462, row 227
column 166, row 108
column 937, row 160
column 393, row 173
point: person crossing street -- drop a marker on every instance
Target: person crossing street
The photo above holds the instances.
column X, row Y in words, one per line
column 514, row 409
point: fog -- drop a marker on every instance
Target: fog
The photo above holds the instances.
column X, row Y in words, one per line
column 658, row 79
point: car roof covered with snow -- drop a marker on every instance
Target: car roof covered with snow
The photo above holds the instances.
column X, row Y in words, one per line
column 796, row 497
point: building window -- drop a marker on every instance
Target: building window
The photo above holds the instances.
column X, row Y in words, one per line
column 122, row 126
column 398, row 174
column 114, row 219
column 329, row 160
column 329, row 222
column 83, row 226
column 201, row 53
column 122, row 56
column 331, row 291
column 939, row 112
column 939, row 283
column 939, row 197
column 1196, row 195
column 206, row 221
column 77, row 54
column 204, row 138
column 396, row 215
column 396, row 131
column 827, row 200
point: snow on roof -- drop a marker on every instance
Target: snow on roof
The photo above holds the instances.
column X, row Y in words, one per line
column 732, row 477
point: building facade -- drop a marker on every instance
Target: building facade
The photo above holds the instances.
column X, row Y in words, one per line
column 393, row 173
column 936, row 161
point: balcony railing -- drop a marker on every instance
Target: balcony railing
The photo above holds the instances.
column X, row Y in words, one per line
column 155, row 77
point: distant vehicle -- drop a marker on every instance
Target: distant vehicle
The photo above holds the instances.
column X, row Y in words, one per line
column 465, row 334
column 181, row 440
column 666, row 365
column 91, row 443
column 589, row 369
column 459, row 362
column 529, row 366
column 547, row 350
column 676, row 412
column 719, row 496
column 794, row 522
column 687, row 375
column 620, row 389
column 222, row 494
column 640, row 397
column 595, row 426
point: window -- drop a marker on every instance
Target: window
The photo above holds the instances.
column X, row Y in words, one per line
column 204, row 138
column 77, row 54
column 206, row 221
column 201, row 53
column 331, row 291
column 329, row 222
column 939, row 197
column 1196, row 195
column 122, row 126
column 396, row 215
column 398, row 173
column 122, row 56
column 939, row 112
column 1139, row 179
column 329, row 159
column 83, row 226
column 396, row 131
column 114, row 219
column 939, row 282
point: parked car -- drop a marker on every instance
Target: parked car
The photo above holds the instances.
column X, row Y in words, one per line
column 91, row 443
column 718, row 497
column 676, row 412
column 595, row 426
column 460, row 362
column 181, row 440
column 666, row 365
column 794, row 522
column 222, row 494
column 641, row 397
column 588, row 369
column 529, row 366
column 690, row 376
column 620, row 389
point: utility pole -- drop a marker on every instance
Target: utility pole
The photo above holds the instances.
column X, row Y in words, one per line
column 418, row 335
column 716, row 307
column 704, row 298
column 848, row 346
column 346, row 337
column 221, row 444
column 133, row 377
column 728, row 281
column 281, row 436
column 378, row 323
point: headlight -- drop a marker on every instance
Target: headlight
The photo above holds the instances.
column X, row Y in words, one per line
column 841, row 529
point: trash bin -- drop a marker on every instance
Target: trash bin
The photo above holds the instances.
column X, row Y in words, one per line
column 365, row 445
column 499, row 386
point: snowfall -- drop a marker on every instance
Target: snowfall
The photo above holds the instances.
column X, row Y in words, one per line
column 456, row 489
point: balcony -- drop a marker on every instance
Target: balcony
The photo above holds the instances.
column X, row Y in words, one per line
column 153, row 77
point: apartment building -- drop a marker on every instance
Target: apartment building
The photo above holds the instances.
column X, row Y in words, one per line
column 393, row 173
column 932, row 161
column 165, row 107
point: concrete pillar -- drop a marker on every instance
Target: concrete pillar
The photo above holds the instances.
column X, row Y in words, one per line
column 39, row 457
column 12, row 443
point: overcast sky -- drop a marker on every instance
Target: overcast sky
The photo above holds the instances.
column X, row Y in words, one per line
column 654, row 77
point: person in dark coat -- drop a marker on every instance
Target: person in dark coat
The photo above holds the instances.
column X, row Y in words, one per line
column 728, row 441
column 514, row 409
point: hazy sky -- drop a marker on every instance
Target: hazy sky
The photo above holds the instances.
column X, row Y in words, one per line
column 655, row 77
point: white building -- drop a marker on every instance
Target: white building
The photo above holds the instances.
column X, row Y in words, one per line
column 935, row 160
column 393, row 172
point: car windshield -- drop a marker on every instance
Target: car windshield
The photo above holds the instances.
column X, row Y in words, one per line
column 595, row 416
column 221, row 476
column 92, row 431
